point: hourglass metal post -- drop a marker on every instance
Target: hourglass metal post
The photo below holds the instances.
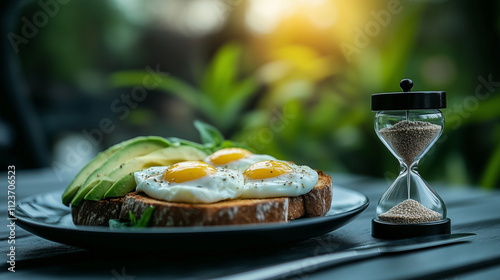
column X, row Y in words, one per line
column 406, row 86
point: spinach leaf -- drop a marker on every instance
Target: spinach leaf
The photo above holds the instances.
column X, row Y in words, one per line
column 133, row 223
column 144, row 220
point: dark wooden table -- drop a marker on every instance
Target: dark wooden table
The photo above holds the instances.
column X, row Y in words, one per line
column 470, row 209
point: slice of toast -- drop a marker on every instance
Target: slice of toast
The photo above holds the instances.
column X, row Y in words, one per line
column 97, row 213
column 231, row 212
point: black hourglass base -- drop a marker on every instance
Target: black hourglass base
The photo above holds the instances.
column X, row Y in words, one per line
column 384, row 230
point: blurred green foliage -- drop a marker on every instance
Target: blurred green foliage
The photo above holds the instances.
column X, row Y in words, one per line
column 293, row 93
column 319, row 116
column 313, row 124
column 220, row 95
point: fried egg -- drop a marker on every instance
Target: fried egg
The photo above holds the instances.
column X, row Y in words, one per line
column 190, row 181
column 275, row 178
column 235, row 158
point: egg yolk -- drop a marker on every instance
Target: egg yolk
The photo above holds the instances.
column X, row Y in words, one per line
column 188, row 170
column 226, row 155
column 267, row 169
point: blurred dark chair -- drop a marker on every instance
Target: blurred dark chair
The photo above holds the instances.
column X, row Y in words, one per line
column 22, row 139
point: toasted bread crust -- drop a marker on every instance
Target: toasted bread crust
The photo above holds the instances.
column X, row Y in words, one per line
column 296, row 207
column 241, row 211
column 97, row 213
column 318, row 201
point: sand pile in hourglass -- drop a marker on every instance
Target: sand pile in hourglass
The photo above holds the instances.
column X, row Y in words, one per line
column 410, row 212
column 409, row 139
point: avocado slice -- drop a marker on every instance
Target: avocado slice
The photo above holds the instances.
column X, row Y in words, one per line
column 92, row 165
column 122, row 187
column 134, row 149
column 121, row 180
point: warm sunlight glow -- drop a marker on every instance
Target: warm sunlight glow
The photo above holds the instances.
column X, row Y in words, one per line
column 263, row 16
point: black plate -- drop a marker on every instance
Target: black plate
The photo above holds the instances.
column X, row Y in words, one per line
column 45, row 216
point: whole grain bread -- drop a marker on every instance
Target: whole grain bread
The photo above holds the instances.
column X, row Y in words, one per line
column 240, row 211
column 97, row 213
column 231, row 212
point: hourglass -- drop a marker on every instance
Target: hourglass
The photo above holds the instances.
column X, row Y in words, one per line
column 409, row 123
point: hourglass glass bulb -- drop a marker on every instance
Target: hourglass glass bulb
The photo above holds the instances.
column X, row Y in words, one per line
column 408, row 140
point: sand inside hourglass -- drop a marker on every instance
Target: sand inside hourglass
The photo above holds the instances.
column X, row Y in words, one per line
column 410, row 138
column 410, row 212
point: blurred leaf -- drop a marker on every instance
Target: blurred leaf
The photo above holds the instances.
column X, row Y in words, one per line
column 491, row 175
column 209, row 134
column 295, row 124
column 179, row 142
column 455, row 167
column 231, row 144
column 457, row 119
column 167, row 83
column 355, row 116
column 211, row 138
column 220, row 83
column 487, row 109
column 283, row 92
column 221, row 74
column 303, row 62
column 140, row 116
column 221, row 96
column 326, row 114
column 236, row 101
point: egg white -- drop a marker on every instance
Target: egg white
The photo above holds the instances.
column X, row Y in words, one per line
column 224, row 184
column 301, row 181
column 243, row 163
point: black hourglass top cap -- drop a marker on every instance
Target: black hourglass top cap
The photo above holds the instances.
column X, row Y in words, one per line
column 407, row 100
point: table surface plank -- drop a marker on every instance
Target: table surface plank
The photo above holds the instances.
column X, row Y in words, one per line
column 470, row 209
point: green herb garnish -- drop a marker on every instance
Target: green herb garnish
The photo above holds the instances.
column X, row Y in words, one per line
column 133, row 223
column 211, row 139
